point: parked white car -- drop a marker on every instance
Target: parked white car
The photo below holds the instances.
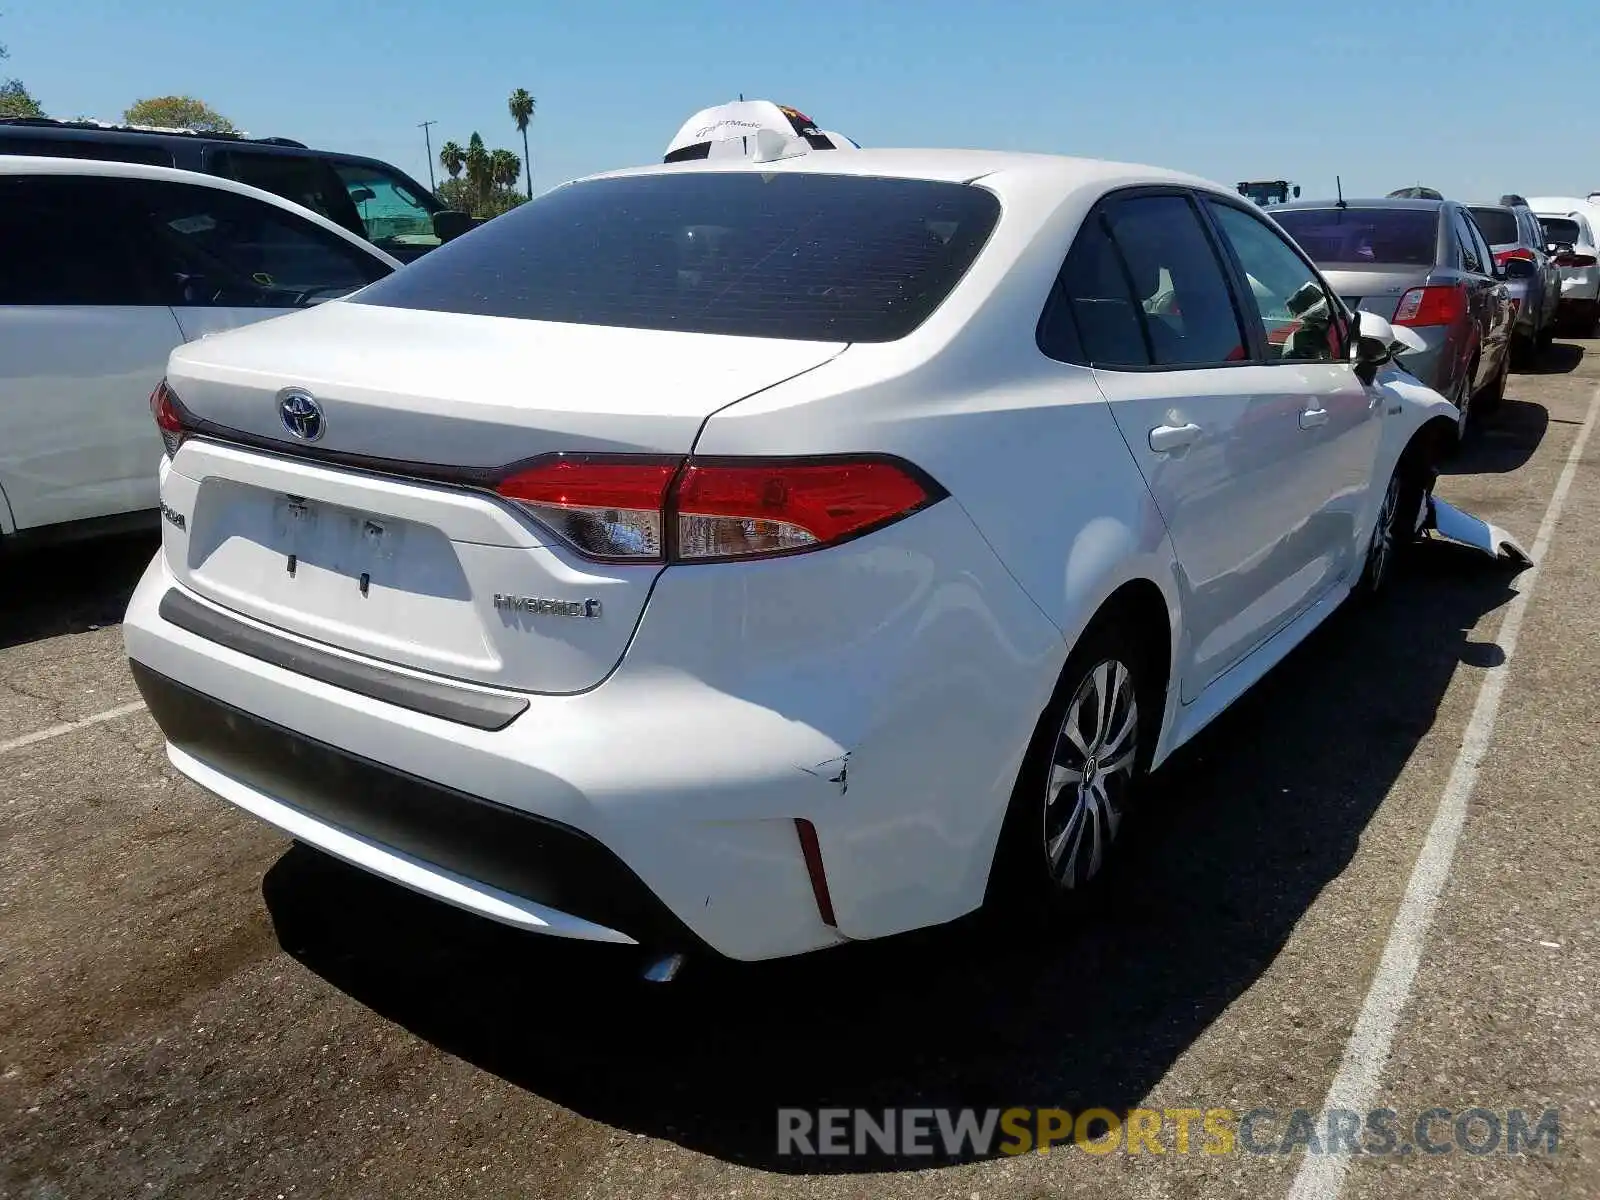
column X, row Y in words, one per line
column 1574, row 221
column 759, row 556
column 106, row 268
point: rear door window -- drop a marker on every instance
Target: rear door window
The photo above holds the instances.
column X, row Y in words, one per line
column 1364, row 236
column 1177, row 281
column 1093, row 317
column 794, row 255
column 1473, row 255
column 221, row 249
column 72, row 241
column 308, row 181
column 151, row 153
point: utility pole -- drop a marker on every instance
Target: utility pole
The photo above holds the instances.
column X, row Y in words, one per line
column 427, row 140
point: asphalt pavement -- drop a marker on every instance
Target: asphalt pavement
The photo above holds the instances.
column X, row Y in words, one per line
column 192, row 1006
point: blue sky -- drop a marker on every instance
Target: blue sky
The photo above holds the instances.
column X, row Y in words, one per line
column 1384, row 94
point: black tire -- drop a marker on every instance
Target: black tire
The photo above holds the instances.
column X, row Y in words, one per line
column 1495, row 394
column 1024, row 882
column 1393, row 532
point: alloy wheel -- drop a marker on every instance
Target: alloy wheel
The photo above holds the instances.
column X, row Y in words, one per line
column 1093, row 764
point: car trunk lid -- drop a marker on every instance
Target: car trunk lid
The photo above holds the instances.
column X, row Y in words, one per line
column 1376, row 289
column 383, row 537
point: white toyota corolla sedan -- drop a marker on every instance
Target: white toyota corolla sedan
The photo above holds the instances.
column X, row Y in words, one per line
column 758, row 555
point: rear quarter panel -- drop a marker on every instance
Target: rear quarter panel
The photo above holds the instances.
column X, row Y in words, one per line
column 1025, row 445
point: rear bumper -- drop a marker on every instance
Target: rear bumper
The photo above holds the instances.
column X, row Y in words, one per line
column 529, row 871
column 661, row 806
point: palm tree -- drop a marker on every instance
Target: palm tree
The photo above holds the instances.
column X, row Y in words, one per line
column 522, row 105
column 452, row 158
column 504, row 167
column 477, row 163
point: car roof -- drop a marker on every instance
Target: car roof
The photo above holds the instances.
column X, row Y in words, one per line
column 997, row 167
column 1386, row 202
column 30, row 164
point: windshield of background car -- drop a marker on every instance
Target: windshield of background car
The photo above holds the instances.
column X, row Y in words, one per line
column 392, row 212
column 1359, row 236
column 1560, row 229
column 807, row 257
column 1499, row 225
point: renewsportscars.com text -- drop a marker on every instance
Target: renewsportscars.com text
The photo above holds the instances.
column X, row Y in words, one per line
column 980, row 1133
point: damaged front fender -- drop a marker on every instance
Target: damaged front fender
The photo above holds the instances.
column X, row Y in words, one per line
column 1450, row 524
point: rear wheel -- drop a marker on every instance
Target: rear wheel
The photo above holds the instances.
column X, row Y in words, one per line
column 1494, row 395
column 1461, row 397
column 1090, row 751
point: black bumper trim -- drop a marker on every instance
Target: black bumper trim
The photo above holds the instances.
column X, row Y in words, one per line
column 534, row 857
column 434, row 698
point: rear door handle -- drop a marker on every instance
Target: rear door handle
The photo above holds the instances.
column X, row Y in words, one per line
column 1310, row 418
column 1173, row 437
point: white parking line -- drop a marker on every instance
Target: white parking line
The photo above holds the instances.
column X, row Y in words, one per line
column 111, row 714
column 1321, row 1177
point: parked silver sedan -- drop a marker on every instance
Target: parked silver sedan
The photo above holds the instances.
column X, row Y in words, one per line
column 1424, row 264
column 1532, row 276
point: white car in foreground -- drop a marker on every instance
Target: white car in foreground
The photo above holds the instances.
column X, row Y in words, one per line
column 107, row 266
column 761, row 555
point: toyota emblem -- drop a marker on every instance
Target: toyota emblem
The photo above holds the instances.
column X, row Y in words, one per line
column 300, row 413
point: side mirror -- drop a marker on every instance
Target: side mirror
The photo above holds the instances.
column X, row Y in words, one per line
column 1378, row 342
column 1520, row 268
column 449, row 224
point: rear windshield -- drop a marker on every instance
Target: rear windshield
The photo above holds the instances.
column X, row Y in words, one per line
column 1560, row 229
column 781, row 255
column 1499, row 225
column 1408, row 236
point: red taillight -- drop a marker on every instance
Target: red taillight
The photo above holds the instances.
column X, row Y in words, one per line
column 1438, row 305
column 1575, row 260
column 1506, row 256
column 733, row 509
column 632, row 510
column 168, row 420
column 607, row 508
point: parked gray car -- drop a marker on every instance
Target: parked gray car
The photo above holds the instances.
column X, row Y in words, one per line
column 1423, row 264
column 1532, row 276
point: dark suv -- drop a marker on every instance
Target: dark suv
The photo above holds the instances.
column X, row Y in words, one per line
column 370, row 198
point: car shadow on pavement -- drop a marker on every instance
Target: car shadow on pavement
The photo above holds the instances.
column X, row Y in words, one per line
column 1560, row 359
column 70, row 588
column 1239, row 836
column 1501, row 441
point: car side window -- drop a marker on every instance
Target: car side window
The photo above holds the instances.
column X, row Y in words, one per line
column 1471, row 257
column 1178, row 283
column 1299, row 319
column 1092, row 316
column 69, row 240
column 1474, row 252
column 220, row 249
column 391, row 212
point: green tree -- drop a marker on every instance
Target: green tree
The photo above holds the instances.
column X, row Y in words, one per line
column 479, row 170
column 16, row 102
column 178, row 112
column 452, row 158
column 504, row 167
column 14, row 98
column 522, row 106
